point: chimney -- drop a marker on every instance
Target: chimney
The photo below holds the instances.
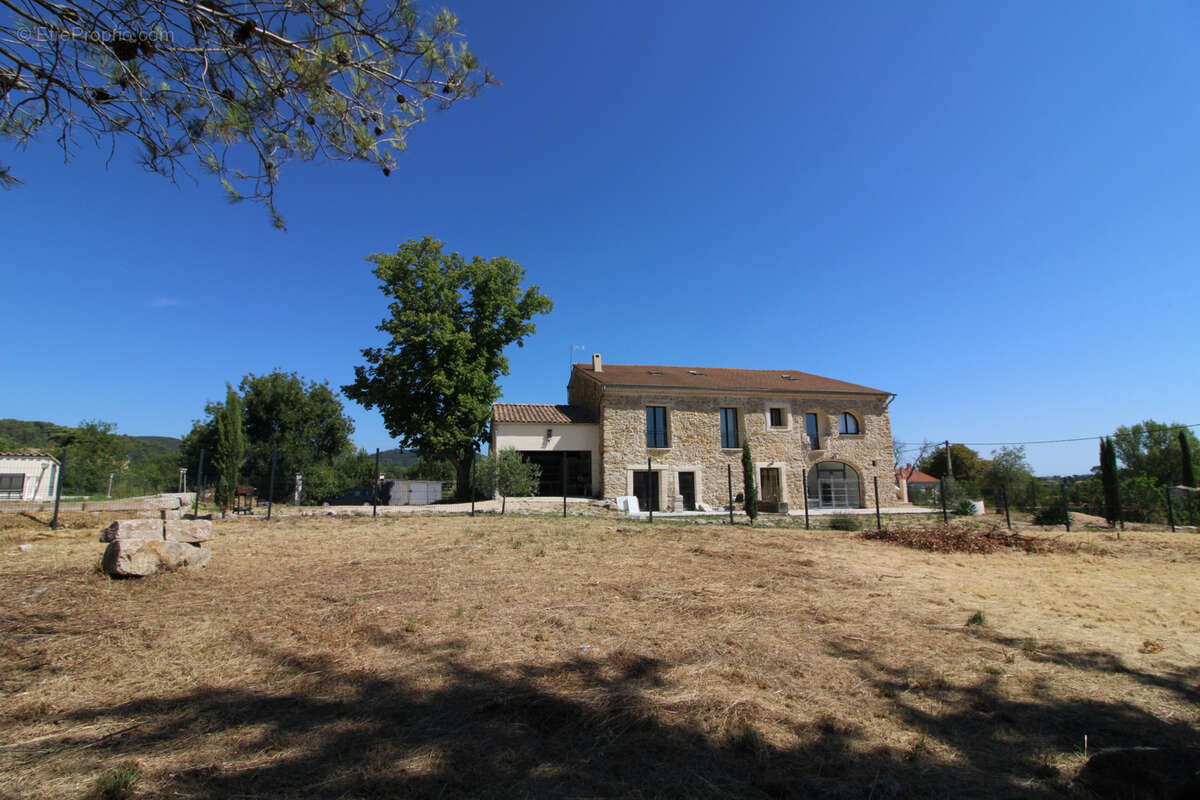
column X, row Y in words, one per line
column 596, row 365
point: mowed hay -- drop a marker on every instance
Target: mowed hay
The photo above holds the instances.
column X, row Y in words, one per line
column 423, row 656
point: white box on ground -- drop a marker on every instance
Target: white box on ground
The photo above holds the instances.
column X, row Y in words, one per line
column 627, row 503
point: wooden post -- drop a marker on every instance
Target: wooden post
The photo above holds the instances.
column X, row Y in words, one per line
column 949, row 462
column 729, row 477
column 878, row 523
column 942, row 492
column 804, row 480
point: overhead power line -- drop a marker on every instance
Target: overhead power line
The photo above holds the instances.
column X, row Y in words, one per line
column 1044, row 441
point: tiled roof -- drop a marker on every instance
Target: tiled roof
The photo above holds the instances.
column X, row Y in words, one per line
column 27, row 454
column 914, row 475
column 759, row 380
column 539, row 413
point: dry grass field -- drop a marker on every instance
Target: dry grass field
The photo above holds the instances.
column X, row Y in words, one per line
column 535, row 656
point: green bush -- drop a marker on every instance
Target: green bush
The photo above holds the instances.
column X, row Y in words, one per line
column 1054, row 513
column 964, row 508
column 845, row 522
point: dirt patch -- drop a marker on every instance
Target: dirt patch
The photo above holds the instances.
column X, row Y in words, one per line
column 499, row 657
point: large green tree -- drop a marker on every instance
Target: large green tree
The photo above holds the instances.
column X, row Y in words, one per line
column 304, row 419
column 1151, row 449
column 968, row 466
column 234, row 89
column 449, row 322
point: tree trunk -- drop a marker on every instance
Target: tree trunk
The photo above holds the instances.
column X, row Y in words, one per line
column 462, row 470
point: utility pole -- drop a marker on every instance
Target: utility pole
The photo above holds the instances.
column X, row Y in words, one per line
column 949, row 462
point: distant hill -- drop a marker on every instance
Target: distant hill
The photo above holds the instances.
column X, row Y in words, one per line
column 39, row 435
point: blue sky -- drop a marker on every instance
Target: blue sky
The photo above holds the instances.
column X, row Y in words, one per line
column 990, row 210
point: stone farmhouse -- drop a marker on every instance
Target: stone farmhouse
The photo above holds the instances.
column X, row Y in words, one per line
column 690, row 422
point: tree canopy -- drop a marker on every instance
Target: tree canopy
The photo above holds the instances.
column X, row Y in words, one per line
column 1151, row 449
column 233, row 88
column 304, row 419
column 449, row 321
column 968, row 466
column 1007, row 467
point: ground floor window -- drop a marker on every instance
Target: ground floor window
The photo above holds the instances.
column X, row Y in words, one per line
column 579, row 472
column 11, row 486
column 833, row 484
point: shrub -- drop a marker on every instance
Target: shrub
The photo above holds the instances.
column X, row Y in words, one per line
column 117, row 783
column 845, row 522
column 1055, row 513
column 964, row 508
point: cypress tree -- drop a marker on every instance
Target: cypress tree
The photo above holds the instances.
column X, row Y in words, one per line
column 1189, row 470
column 748, row 485
column 231, row 448
column 1108, row 479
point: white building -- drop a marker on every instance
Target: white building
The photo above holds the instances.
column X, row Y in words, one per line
column 28, row 476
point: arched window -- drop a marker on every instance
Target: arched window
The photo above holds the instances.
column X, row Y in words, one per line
column 847, row 423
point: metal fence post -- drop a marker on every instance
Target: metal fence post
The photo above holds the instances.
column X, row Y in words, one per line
column 1007, row 518
column 878, row 523
column 649, row 490
column 62, row 465
column 804, row 480
column 564, row 483
column 1170, row 510
column 199, row 484
column 942, row 492
column 473, row 484
column 375, row 483
column 271, row 486
column 729, row 477
column 1062, row 487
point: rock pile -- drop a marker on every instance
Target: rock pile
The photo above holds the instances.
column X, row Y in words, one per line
column 139, row 547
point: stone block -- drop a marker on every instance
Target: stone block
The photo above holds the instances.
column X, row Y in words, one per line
column 187, row 530
column 135, row 558
column 133, row 529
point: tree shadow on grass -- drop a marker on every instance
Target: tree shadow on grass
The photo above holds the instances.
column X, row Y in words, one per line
column 585, row 728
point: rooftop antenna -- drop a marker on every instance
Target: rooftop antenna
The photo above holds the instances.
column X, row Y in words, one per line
column 571, row 358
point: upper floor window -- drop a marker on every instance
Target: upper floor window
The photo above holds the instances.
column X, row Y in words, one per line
column 847, row 423
column 656, row 426
column 777, row 417
column 729, row 428
column 811, row 428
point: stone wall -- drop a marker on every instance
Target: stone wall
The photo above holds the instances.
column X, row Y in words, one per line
column 693, row 426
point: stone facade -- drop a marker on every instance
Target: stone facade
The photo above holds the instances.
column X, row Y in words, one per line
column 694, row 440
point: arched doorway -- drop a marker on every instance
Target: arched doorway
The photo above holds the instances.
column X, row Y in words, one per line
column 834, row 484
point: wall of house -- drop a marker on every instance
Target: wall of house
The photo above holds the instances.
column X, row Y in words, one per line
column 693, row 426
column 563, row 436
column 40, row 474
